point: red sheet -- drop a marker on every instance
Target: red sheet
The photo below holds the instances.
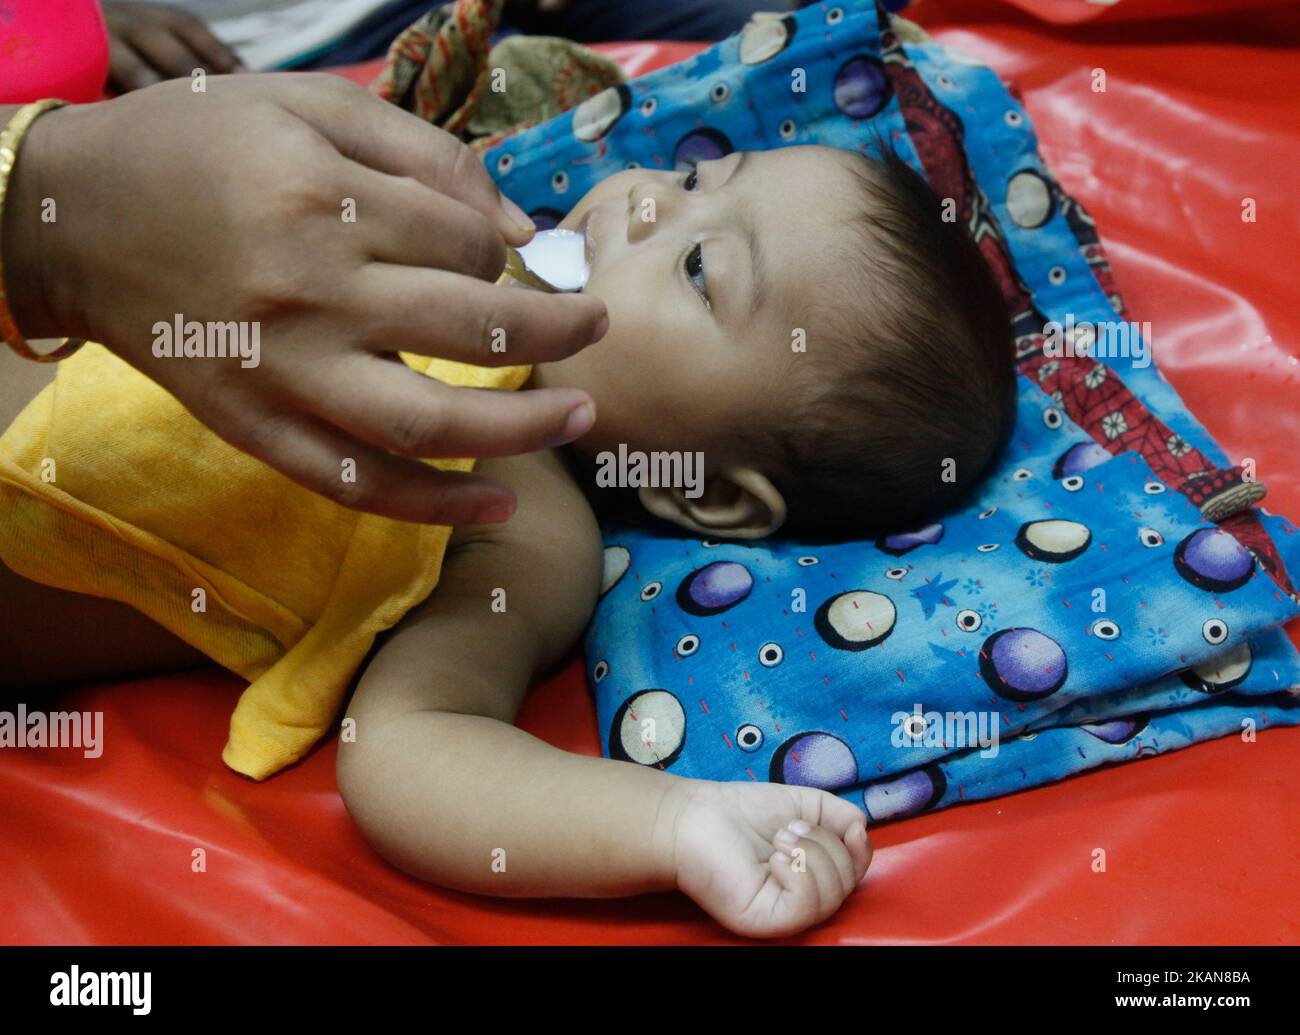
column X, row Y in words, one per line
column 1201, row 845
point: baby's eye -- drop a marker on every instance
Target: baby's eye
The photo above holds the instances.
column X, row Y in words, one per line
column 692, row 180
column 694, row 266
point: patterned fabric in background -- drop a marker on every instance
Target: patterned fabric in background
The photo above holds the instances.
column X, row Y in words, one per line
column 441, row 67
column 1111, row 592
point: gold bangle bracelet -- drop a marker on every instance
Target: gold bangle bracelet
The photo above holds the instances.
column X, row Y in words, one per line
column 11, row 140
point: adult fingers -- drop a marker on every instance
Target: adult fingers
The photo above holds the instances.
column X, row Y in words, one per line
column 127, row 70
column 385, row 137
column 166, row 52
column 387, row 404
column 215, row 54
column 404, row 223
column 435, row 313
column 362, row 477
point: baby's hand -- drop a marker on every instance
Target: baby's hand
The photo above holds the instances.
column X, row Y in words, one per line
column 765, row 860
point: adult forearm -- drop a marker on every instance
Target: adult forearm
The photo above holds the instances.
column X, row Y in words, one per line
column 479, row 805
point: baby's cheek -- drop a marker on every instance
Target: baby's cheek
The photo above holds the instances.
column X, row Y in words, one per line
column 625, row 294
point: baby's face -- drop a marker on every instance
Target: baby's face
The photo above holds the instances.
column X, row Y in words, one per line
column 708, row 277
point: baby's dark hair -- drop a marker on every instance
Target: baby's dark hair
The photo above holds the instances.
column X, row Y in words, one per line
column 907, row 391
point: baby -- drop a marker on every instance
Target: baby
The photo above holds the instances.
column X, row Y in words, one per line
column 840, row 356
column 807, row 319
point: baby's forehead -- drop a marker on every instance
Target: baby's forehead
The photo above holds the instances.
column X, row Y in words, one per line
column 809, row 186
column 812, row 160
column 809, row 204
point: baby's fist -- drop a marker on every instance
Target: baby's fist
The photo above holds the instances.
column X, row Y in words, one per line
column 766, row 860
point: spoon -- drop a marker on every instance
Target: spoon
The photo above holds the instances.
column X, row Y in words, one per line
column 553, row 261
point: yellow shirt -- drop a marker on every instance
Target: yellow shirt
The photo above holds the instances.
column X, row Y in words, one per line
column 108, row 486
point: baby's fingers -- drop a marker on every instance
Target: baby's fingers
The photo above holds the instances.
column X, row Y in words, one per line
column 841, row 820
column 799, row 902
column 823, row 809
column 817, row 859
column 836, row 864
column 859, row 847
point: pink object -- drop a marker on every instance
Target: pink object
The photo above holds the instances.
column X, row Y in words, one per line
column 52, row 48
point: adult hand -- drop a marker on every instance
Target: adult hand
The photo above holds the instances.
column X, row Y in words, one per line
column 148, row 43
column 232, row 205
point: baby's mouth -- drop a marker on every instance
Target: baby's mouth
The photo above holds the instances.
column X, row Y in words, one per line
column 585, row 228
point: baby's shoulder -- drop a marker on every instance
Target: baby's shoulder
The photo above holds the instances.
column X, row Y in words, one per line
column 511, row 600
column 551, row 508
column 549, row 555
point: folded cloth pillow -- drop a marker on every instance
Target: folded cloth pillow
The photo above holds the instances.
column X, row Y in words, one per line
column 952, row 662
column 1109, row 593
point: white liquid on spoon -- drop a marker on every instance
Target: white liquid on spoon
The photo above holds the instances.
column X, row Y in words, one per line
column 559, row 257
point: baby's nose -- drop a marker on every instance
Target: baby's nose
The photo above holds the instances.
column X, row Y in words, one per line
column 648, row 204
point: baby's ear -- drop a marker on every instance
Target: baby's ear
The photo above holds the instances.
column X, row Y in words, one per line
column 736, row 503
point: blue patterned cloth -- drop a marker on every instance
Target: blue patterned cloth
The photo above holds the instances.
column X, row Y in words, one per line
column 1084, row 608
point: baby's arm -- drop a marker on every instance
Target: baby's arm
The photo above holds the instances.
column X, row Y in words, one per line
column 445, row 787
column 440, row 781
